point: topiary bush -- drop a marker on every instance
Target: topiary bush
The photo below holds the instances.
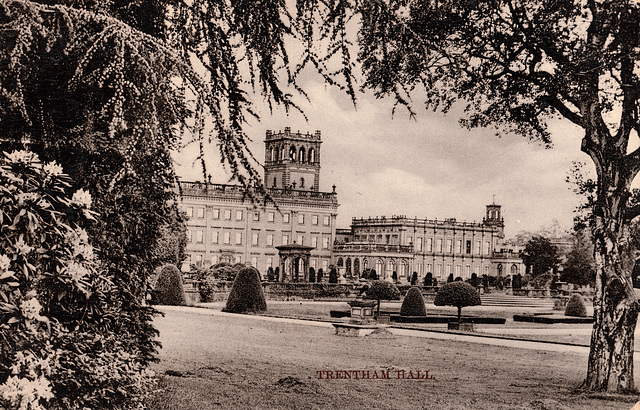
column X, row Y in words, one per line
column 383, row 290
column 333, row 275
column 458, row 294
column 169, row 289
column 413, row 303
column 576, row 307
column 246, row 293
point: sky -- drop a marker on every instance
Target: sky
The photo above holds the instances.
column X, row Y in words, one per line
column 387, row 164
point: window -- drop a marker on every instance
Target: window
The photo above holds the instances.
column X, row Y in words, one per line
column 458, row 270
column 439, row 245
column 314, row 241
column 314, row 220
column 227, row 238
column 419, row 244
column 325, row 220
column 256, row 216
column 189, row 235
column 439, row 270
column 254, row 261
column 269, row 261
column 477, row 252
column 325, row 242
column 200, row 213
column 448, row 270
column 254, row 240
column 487, row 247
column 238, row 238
column 458, row 246
column 301, row 219
column 429, row 244
column 300, row 239
column 199, row 236
column 227, row 214
column 198, row 260
column 285, row 218
column 269, row 239
column 486, row 270
column 215, row 213
column 214, row 237
column 214, row 259
column 239, row 215
column 468, row 247
column 325, row 264
column 428, row 268
column 238, row 259
column 476, row 269
column 285, row 239
column 271, row 217
column 467, row 271
column 313, row 263
column 449, row 246
column 190, row 212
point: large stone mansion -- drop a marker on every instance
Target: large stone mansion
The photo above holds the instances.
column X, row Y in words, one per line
column 298, row 231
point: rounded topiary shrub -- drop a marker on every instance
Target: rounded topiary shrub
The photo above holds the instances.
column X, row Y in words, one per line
column 458, row 294
column 576, row 307
column 246, row 293
column 413, row 304
column 169, row 290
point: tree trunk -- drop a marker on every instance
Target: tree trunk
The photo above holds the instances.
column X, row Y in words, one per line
column 610, row 366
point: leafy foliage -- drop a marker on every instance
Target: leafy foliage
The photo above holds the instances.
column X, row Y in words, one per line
column 169, row 289
column 382, row 290
column 413, row 303
column 540, row 256
column 579, row 266
column 246, row 294
column 576, row 306
column 428, row 279
column 459, row 294
column 61, row 340
column 333, row 275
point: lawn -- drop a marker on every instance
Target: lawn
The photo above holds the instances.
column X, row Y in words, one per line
column 210, row 360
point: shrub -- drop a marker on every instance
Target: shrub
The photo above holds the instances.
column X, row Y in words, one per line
column 517, row 281
column 428, row 279
column 458, row 294
column 394, row 276
column 450, row 278
column 576, row 307
column 414, row 278
column 206, row 288
column 270, row 274
column 64, row 337
column 169, row 290
column 373, row 275
column 312, row 275
column 413, row 303
column 474, row 280
column 383, row 290
column 333, row 275
column 246, row 293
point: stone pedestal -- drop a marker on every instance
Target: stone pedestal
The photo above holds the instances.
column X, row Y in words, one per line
column 464, row 326
column 362, row 311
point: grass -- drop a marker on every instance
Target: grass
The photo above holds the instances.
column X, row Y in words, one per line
column 236, row 361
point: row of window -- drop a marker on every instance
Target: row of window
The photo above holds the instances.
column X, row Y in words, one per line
column 270, row 262
column 229, row 238
column 271, row 216
column 441, row 246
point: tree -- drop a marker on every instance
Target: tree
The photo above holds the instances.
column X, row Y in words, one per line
column 474, row 280
column 458, row 294
column 319, row 276
column 382, row 290
column 373, row 275
column 428, row 279
column 312, row 275
column 414, row 278
column 540, row 256
column 246, row 294
column 450, row 278
column 579, row 266
column 515, row 65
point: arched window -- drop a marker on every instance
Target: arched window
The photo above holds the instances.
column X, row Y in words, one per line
column 379, row 269
column 356, row 267
column 340, row 262
column 348, row 266
column 312, row 156
column 514, row 269
column 499, row 269
column 272, row 156
column 292, row 153
column 301, row 155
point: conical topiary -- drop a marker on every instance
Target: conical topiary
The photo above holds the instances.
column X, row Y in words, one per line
column 246, row 293
column 413, row 303
column 576, row 307
column 168, row 289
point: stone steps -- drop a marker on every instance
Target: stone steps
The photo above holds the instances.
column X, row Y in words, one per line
column 515, row 301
